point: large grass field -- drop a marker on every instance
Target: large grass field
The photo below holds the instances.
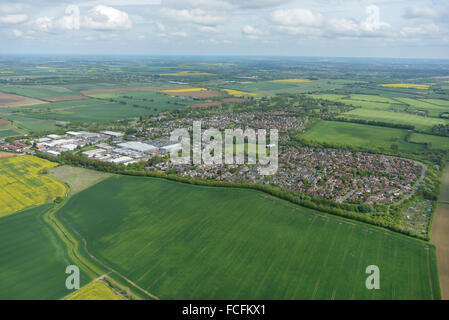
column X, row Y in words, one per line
column 22, row 186
column 437, row 142
column 33, row 259
column 360, row 135
column 137, row 104
column 39, row 91
column 433, row 107
column 419, row 122
column 180, row 241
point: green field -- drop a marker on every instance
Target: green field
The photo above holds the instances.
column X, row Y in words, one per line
column 179, row 241
column 419, row 122
column 30, row 124
column 99, row 109
column 39, row 91
column 8, row 133
column 33, row 259
column 437, row 142
column 270, row 87
column 360, row 135
column 433, row 107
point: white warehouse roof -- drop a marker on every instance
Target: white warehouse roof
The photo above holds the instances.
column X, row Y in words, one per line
column 137, row 146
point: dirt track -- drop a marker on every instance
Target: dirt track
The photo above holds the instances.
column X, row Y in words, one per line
column 440, row 234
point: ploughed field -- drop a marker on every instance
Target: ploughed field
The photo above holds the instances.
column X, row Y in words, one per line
column 180, row 241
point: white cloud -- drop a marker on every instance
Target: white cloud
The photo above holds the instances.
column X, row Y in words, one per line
column 297, row 17
column 13, row 19
column 414, row 12
column 198, row 16
column 181, row 34
column 107, row 18
column 208, row 29
column 44, row 23
column 372, row 24
column 429, row 30
column 71, row 21
column 344, row 26
column 16, row 33
column 249, row 30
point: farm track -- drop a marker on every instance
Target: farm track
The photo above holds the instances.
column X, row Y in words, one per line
column 73, row 248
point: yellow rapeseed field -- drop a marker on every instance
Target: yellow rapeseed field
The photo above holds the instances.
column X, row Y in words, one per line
column 239, row 93
column 187, row 73
column 293, row 80
column 94, row 291
column 184, row 90
column 22, row 186
column 406, row 85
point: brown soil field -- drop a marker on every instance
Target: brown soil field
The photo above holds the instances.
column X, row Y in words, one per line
column 13, row 100
column 4, row 155
column 65, row 98
column 3, row 122
column 196, row 94
column 86, row 92
column 440, row 234
column 217, row 103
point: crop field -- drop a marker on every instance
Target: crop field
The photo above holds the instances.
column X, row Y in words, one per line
column 192, row 92
column 180, row 241
column 436, row 142
column 33, row 259
column 113, row 90
column 4, row 155
column 65, row 98
column 38, row 92
column 187, row 74
column 94, row 291
column 23, row 187
column 360, row 135
column 238, row 93
column 292, row 81
column 8, row 133
column 87, row 110
column 419, row 122
column 263, row 88
column 31, row 124
column 13, row 100
column 77, row 178
column 406, row 86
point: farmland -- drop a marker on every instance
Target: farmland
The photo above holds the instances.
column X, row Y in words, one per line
column 33, row 259
column 267, row 251
column 406, row 86
column 420, row 123
column 93, row 110
column 94, row 291
column 360, row 135
column 13, row 100
column 22, row 185
column 436, row 142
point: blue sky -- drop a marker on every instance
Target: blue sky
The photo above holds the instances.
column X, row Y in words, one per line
column 340, row 28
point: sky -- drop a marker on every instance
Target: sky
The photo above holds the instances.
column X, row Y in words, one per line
column 331, row 28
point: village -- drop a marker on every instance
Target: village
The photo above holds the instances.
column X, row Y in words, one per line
column 335, row 174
